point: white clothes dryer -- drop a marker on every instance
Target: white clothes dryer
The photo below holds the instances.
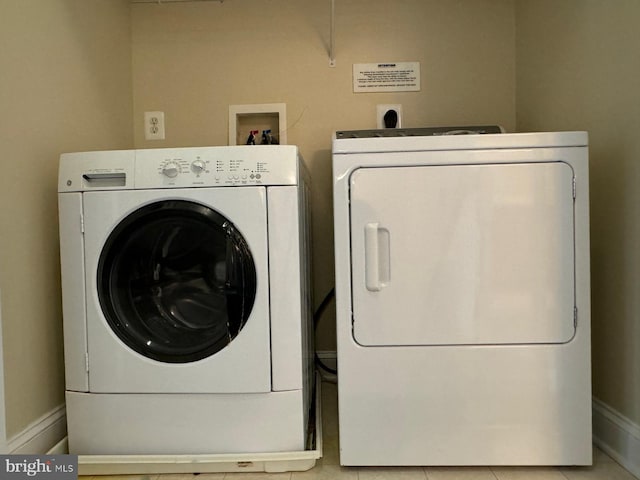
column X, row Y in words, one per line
column 186, row 298
column 463, row 303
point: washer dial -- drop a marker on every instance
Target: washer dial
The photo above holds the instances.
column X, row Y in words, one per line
column 198, row 166
column 171, row 169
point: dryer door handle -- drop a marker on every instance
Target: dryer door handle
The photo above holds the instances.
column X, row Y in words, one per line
column 377, row 272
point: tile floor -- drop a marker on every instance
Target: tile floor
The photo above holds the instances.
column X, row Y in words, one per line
column 328, row 467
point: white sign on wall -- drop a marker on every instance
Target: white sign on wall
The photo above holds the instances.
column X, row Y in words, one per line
column 386, row 77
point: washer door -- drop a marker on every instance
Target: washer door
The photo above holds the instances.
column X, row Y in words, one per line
column 177, row 284
column 176, row 281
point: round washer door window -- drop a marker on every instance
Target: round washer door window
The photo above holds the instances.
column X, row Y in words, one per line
column 176, row 281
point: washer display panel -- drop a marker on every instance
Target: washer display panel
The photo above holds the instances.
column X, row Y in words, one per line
column 176, row 281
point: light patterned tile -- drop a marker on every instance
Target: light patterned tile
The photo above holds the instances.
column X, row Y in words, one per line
column 599, row 456
column 188, row 476
column 125, row 477
column 330, row 451
column 326, row 472
column 329, row 409
column 599, row 471
column 391, row 473
column 459, row 473
column 330, row 440
column 527, row 473
column 257, row 476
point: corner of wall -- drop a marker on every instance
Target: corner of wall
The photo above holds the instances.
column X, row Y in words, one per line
column 3, row 431
column 41, row 435
column 617, row 436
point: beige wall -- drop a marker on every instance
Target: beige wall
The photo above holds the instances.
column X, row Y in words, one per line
column 65, row 85
column 578, row 68
column 191, row 60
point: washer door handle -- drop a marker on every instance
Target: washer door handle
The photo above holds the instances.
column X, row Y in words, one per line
column 377, row 272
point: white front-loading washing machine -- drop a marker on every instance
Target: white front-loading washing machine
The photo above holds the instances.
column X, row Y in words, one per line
column 186, row 300
column 462, row 296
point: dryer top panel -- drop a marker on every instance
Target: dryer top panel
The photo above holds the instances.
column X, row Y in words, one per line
column 233, row 166
column 346, row 144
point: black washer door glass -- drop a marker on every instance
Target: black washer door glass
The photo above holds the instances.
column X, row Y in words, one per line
column 176, row 281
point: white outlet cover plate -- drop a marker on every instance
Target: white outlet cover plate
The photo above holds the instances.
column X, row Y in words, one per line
column 384, row 108
column 154, row 125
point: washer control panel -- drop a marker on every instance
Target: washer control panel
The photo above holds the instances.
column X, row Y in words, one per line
column 234, row 166
column 216, row 166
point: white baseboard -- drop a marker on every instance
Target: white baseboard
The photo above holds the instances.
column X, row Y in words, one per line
column 60, row 448
column 328, row 358
column 617, row 436
column 41, row 435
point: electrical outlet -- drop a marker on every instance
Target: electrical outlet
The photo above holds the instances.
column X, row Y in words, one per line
column 154, row 125
column 382, row 110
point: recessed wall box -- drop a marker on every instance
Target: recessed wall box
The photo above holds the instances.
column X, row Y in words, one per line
column 243, row 119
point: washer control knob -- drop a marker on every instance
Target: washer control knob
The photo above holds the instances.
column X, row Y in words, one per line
column 171, row 170
column 197, row 166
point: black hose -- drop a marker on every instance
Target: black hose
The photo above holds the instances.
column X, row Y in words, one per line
column 316, row 320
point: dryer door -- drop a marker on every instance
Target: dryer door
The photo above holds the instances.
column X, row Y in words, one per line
column 463, row 254
column 177, row 291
